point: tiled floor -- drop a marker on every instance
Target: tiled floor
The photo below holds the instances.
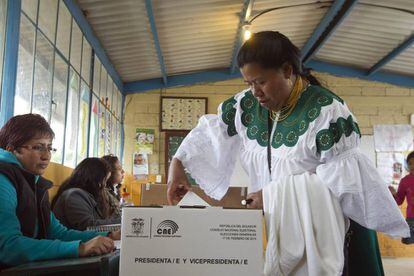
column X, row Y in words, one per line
column 398, row 266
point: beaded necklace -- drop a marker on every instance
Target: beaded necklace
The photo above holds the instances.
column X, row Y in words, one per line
column 294, row 96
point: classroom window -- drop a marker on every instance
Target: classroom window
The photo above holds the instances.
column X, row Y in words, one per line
column 43, row 72
column 83, row 121
column 47, row 18
column 72, row 116
column 119, row 105
column 119, row 138
column 94, row 129
column 57, row 121
column 86, row 61
column 23, row 93
column 63, row 30
column 108, row 132
column 54, row 79
column 104, row 80
column 102, row 130
column 96, row 75
column 30, row 8
column 115, row 101
column 76, row 47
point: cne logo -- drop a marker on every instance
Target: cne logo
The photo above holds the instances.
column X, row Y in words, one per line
column 167, row 227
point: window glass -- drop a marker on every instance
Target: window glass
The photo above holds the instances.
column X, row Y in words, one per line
column 76, row 47
column 57, row 121
column 94, row 131
column 115, row 102
column 42, row 86
column 83, row 122
column 120, row 105
column 113, row 135
column 47, row 18
column 23, row 96
column 119, row 131
column 30, row 8
column 115, row 143
column 86, row 60
column 102, row 130
column 3, row 11
column 108, row 132
column 109, row 90
column 63, row 32
column 71, row 136
column 104, row 80
column 96, row 75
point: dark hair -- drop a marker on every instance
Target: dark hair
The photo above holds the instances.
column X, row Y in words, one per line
column 89, row 175
column 112, row 160
column 271, row 50
column 410, row 155
column 22, row 128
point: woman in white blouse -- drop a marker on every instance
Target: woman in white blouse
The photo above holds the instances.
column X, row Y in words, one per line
column 298, row 142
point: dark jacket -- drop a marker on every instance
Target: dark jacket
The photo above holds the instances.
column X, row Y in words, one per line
column 32, row 198
column 78, row 209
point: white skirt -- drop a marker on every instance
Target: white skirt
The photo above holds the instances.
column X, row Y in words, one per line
column 305, row 228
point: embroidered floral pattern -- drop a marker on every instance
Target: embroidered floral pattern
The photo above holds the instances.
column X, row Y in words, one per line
column 306, row 111
column 254, row 118
column 326, row 138
column 228, row 115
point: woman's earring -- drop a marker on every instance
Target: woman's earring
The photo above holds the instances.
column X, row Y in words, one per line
column 290, row 83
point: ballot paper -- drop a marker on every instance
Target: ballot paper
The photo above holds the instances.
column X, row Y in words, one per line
column 117, row 244
column 192, row 199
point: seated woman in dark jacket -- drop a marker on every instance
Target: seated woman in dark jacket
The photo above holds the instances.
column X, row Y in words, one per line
column 81, row 200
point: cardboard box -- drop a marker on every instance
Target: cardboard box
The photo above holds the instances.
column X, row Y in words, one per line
column 179, row 241
column 156, row 194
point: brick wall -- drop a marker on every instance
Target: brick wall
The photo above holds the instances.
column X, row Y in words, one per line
column 371, row 102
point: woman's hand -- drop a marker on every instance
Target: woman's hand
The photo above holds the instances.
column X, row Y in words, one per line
column 97, row 246
column 392, row 190
column 115, row 235
column 177, row 182
column 255, row 200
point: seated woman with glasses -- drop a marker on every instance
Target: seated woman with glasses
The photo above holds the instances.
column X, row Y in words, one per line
column 81, row 200
column 28, row 230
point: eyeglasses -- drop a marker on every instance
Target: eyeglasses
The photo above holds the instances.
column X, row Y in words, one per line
column 40, row 148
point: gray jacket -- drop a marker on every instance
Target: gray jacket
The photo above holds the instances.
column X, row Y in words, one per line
column 77, row 209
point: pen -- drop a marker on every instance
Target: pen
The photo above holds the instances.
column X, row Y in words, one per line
column 246, row 201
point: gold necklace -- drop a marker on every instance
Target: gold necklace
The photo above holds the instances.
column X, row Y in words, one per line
column 294, row 96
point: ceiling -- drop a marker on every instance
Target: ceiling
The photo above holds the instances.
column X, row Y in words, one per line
column 162, row 43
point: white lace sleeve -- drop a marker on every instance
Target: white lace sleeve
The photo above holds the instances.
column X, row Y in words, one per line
column 351, row 177
column 210, row 150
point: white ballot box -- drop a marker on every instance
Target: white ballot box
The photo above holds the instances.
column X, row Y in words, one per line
column 179, row 241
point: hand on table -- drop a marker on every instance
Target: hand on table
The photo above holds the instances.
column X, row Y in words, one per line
column 97, row 246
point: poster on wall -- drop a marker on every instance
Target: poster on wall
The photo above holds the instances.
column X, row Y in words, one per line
column 391, row 166
column 393, row 138
column 178, row 113
column 140, row 167
column 144, row 138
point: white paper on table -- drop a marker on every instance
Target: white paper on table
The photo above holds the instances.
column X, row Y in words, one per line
column 192, row 199
column 117, row 244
